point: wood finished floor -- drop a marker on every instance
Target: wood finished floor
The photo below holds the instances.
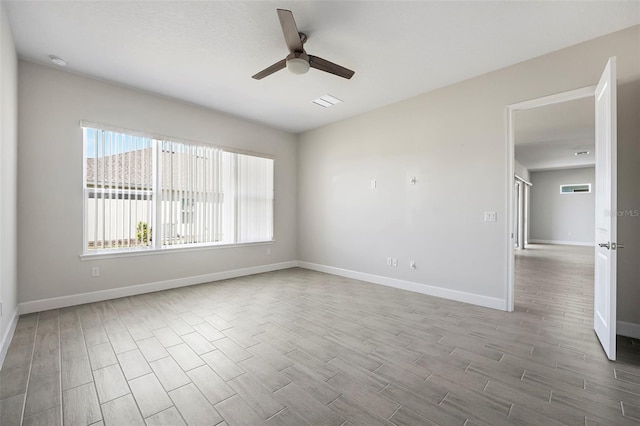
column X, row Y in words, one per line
column 299, row 347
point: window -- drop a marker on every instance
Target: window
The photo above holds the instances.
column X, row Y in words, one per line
column 145, row 192
column 575, row 188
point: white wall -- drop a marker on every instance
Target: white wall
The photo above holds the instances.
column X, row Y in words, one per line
column 8, row 171
column 52, row 103
column 562, row 218
column 453, row 141
column 521, row 171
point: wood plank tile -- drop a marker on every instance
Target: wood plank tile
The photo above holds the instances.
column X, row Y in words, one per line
column 43, row 393
column 287, row 417
column 11, row 410
column 268, row 376
column 312, row 383
column 150, row 395
column 169, row 373
column 101, row 355
column 121, row 411
column 122, row 342
column 373, row 401
column 185, row 357
column 95, row 336
column 312, row 410
column 222, row 365
column 138, row 331
column 306, row 339
column 430, row 410
column 133, row 364
column 630, row 410
column 406, row 417
column 168, row 417
column 167, row 337
column 237, row 412
column 110, row 383
column 256, row 395
column 80, row 405
column 232, row 350
column 14, row 381
column 179, row 326
column 193, row 406
column 209, row 332
column 358, row 374
column 50, row 417
column 210, row 384
column 355, row 413
column 197, row 343
column 241, row 337
column 151, row 349
column 76, row 372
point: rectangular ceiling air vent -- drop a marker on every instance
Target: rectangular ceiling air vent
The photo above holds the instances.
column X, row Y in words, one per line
column 327, row 101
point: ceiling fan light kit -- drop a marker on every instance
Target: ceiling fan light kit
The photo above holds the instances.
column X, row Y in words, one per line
column 298, row 61
column 298, row 64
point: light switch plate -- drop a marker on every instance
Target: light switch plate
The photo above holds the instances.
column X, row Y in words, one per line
column 490, row 216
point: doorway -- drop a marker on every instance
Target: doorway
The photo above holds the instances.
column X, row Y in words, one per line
column 512, row 110
column 605, row 144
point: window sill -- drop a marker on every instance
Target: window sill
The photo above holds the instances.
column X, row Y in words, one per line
column 178, row 249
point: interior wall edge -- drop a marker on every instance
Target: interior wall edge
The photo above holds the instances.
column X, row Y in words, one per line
column 102, row 295
column 628, row 329
column 8, row 336
column 563, row 243
column 430, row 290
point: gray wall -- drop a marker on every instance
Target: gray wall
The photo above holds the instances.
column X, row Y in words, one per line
column 51, row 105
column 8, row 172
column 521, row 171
column 562, row 218
column 453, row 141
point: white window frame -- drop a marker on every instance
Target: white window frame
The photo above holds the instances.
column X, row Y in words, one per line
column 157, row 247
column 588, row 185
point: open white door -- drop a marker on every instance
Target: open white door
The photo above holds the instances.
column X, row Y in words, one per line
column 604, row 321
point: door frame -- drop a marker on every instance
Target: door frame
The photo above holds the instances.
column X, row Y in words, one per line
column 581, row 93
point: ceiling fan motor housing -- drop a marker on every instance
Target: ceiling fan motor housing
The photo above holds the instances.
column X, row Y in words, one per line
column 298, row 62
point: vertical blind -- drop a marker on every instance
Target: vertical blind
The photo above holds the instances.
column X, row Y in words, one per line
column 143, row 192
column 191, row 194
column 254, row 198
column 118, row 190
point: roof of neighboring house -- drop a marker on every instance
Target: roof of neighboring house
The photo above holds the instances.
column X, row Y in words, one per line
column 134, row 169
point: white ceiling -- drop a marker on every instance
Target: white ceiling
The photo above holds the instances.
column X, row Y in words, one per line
column 205, row 52
column 548, row 137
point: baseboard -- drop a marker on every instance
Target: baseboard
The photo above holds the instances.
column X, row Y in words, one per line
column 564, row 243
column 8, row 335
column 98, row 296
column 460, row 296
column 628, row 329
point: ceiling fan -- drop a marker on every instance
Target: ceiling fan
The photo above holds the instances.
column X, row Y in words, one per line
column 298, row 61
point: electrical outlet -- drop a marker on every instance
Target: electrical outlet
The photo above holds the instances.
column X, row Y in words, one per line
column 412, row 264
column 374, row 184
column 95, row 271
column 490, row 216
column 395, row 262
column 388, row 261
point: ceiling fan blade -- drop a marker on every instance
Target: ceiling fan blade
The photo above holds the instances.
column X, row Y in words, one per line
column 330, row 67
column 290, row 30
column 270, row 70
